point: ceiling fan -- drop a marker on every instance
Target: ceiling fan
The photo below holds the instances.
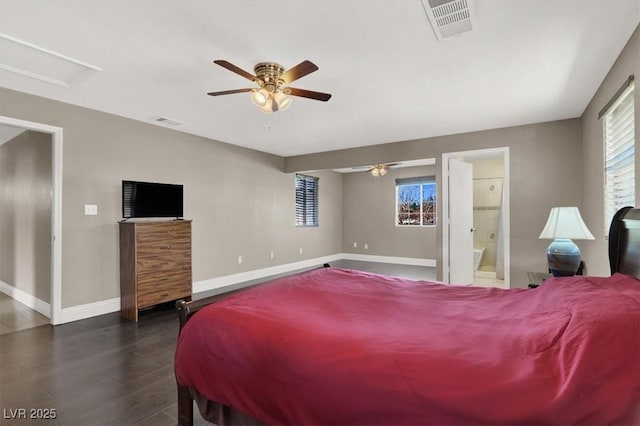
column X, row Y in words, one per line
column 273, row 93
column 377, row 169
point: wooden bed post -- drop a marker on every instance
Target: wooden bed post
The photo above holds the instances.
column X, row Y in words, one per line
column 615, row 238
column 185, row 402
column 185, row 407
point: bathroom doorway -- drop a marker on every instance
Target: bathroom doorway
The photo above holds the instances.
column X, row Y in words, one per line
column 490, row 210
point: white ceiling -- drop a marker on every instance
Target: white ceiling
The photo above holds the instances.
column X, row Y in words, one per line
column 526, row 61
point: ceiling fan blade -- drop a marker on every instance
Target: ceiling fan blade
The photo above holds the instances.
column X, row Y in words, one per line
column 299, row 71
column 237, row 70
column 318, row 96
column 229, row 92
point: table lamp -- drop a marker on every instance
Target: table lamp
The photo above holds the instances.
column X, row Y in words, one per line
column 564, row 225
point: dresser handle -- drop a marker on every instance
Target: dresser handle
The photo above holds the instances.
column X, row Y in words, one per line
column 165, row 247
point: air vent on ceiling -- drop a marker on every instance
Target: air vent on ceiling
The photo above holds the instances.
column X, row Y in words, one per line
column 169, row 121
column 449, row 17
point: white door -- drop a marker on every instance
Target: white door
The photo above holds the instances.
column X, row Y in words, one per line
column 460, row 222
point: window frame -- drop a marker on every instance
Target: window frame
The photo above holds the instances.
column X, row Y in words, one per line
column 421, row 181
column 307, row 214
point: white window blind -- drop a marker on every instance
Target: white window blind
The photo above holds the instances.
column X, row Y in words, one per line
column 306, row 200
column 619, row 155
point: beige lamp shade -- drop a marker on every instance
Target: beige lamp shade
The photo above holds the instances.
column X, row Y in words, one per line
column 566, row 222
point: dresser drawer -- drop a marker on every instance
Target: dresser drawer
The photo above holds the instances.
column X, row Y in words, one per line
column 164, row 238
column 162, row 286
column 162, row 231
column 163, row 262
column 161, row 247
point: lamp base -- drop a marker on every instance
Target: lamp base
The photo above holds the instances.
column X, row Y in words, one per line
column 563, row 257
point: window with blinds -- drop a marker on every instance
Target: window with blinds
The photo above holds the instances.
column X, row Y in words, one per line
column 306, row 200
column 619, row 155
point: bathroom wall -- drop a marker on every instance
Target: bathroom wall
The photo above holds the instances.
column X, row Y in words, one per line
column 488, row 178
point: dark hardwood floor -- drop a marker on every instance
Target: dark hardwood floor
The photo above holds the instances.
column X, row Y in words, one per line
column 99, row 371
column 105, row 370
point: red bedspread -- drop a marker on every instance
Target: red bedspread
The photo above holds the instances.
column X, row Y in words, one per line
column 336, row 346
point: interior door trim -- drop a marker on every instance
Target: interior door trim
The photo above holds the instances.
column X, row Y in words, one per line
column 444, row 215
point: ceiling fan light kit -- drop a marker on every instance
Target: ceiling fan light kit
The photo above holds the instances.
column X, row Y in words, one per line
column 378, row 170
column 270, row 101
column 273, row 94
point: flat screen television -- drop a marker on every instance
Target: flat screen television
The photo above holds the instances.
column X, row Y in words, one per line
column 150, row 199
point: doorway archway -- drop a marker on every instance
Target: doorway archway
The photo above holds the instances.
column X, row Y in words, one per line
column 56, row 209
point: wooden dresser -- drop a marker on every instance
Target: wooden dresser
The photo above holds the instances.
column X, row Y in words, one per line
column 155, row 264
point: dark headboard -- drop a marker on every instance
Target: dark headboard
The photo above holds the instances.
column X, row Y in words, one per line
column 624, row 242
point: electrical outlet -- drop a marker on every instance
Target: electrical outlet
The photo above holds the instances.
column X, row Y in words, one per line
column 239, row 260
column 300, row 250
column 91, row 210
column 355, row 245
column 366, row 246
column 271, row 254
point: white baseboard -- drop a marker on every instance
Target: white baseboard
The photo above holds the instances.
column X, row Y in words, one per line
column 389, row 259
column 26, row 299
column 88, row 310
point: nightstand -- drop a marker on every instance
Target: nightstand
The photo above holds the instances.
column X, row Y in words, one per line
column 536, row 278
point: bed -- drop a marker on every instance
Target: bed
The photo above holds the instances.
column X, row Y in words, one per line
column 337, row 346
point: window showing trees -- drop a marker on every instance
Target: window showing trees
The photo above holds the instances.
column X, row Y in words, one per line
column 416, row 201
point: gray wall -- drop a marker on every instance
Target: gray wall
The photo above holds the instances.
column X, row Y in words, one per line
column 368, row 216
column 545, row 171
column 628, row 62
column 240, row 200
column 25, row 213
